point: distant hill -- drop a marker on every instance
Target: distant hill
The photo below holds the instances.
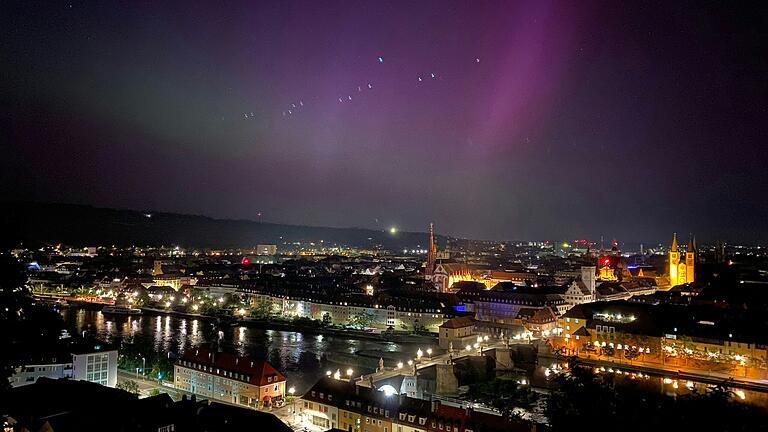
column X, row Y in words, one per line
column 34, row 224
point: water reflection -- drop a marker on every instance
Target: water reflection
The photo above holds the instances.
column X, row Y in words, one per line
column 303, row 358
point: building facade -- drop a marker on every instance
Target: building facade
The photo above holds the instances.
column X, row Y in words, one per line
column 222, row 376
column 343, row 405
column 682, row 265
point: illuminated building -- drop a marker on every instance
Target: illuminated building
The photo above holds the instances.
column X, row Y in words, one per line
column 340, row 404
column 697, row 337
column 457, row 332
column 681, row 271
column 173, row 281
column 83, row 360
column 447, row 274
column 225, row 377
column 582, row 290
column 609, row 264
column 444, row 274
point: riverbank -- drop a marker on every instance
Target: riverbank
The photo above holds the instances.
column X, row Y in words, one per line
column 680, row 373
column 292, row 326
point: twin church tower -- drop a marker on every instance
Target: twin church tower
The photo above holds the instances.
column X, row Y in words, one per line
column 681, row 271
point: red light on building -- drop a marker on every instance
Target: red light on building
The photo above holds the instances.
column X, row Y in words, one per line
column 246, row 261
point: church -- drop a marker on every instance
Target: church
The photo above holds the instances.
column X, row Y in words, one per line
column 443, row 274
column 681, row 271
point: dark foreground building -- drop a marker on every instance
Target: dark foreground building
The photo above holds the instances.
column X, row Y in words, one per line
column 68, row 406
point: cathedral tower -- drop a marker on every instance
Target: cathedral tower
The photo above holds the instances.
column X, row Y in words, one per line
column 690, row 260
column 674, row 260
column 682, row 271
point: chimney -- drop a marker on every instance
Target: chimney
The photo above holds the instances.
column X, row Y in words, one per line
column 435, row 405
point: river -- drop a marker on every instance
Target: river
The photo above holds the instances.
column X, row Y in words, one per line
column 302, row 358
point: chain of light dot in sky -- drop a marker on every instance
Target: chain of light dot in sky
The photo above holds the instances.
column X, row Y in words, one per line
column 297, row 106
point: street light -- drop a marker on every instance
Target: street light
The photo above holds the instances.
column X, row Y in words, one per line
column 349, row 372
column 291, row 391
column 399, row 365
column 429, row 353
column 143, row 366
column 419, row 353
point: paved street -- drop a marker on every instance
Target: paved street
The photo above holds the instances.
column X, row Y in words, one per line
column 145, row 385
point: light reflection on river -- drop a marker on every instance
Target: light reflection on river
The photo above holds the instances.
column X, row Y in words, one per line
column 301, row 357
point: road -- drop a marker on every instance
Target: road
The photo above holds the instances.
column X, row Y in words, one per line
column 146, row 385
column 284, row 413
column 426, row 362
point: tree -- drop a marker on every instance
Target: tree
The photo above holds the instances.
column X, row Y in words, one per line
column 143, row 298
column 327, row 320
column 22, row 322
column 504, row 395
column 162, row 368
column 362, row 319
column 263, row 309
column 128, row 385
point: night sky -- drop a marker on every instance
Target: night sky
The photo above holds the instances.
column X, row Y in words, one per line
column 541, row 121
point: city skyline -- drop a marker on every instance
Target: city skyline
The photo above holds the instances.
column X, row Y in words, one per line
column 383, row 216
column 526, row 120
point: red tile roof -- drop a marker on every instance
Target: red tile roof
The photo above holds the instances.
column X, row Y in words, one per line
column 256, row 372
column 458, row 322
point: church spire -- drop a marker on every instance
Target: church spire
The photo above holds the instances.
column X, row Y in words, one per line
column 674, row 243
column 691, row 245
column 432, row 252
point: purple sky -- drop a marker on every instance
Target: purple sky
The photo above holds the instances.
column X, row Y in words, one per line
column 580, row 119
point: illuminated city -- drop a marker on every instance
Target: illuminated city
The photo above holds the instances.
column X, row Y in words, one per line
column 383, row 216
